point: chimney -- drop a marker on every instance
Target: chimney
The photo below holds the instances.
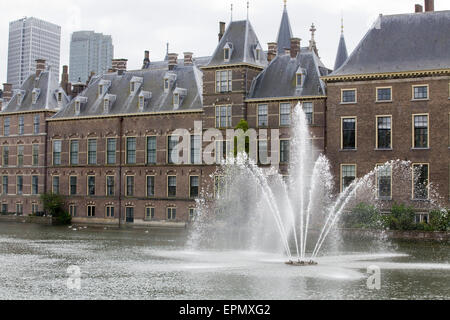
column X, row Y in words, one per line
column 272, row 52
column 188, row 60
column 65, row 84
column 146, row 59
column 40, row 67
column 90, row 77
column 429, row 5
column 120, row 65
column 7, row 92
column 221, row 30
column 295, row 47
column 419, row 8
column 173, row 60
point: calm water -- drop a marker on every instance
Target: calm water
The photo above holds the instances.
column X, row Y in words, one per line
column 133, row 264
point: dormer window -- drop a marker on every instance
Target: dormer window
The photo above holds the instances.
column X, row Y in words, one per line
column 103, row 87
column 143, row 96
column 59, row 96
column 166, row 84
column 169, row 80
column 20, row 94
column 107, row 102
column 227, row 51
column 300, row 77
column 35, row 95
column 135, row 84
column 178, row 95
column 258, row 54
column 77, row 107
column 100, row 90
column 106, row 105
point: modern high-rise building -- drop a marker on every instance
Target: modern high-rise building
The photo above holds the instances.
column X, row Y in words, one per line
column 31, row 39
column 89, row 52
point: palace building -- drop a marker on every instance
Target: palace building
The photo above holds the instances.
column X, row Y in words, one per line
column 108, row 146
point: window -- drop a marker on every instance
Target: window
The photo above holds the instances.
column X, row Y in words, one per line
column 171, row 186
column 34, row 208
column 226, row 54
column 284, row 151
column 19, row 185
column 130, row 186
column 55, row 184
column 129, row 214
column 420, row 92
column 141, row 102
column 258, row 54
column 73, row 210
column 196, row 149
column 34, row 185
column 20, row 149
column 149, row 213
column 172, row 149
column 74, row 149
column 4, row 208
column 131, row 150
column 91, row 211
column 5, row 184
column 348, row 133
column 222, row 148
column 384, row 181
column 150, row 186
column 100, row 90
column 262, row 115
column 298, row 79
column 192, row 214
column 92, row 151
column 36, row 124
column 5, row 156
column 57, row 152
column 21, row 125
column 91, row 185
column 110, row 186
column 109, row 211
column 193, row 186
column 35, row 154
column 348, row 96
column 420, row 131
column 176, row 99
column 384, row 134
column 420, row 181
column 171, row 213
column 285, row 114
column 166, row 84
column 6, row 126
column 262, row 152
column 308, row 110
column 219, row 187
column 348, row 175
column 77, row 107
column 384, row 94
column 19, row 209
column 224, row 80
column 73, row 185
column 111, row 150
column 59, row 96
column 151, row 150
column 132, row 86
column 223, row 117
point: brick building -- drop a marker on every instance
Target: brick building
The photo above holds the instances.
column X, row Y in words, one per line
column 110, row 149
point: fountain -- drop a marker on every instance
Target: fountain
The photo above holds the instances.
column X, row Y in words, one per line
column 257, row 208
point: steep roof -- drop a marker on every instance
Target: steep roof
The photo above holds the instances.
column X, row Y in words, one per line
column 188, row 79
column 404, row 42
column 342, row 53
column 243, row 40
column 284, row 33
column 278, row 80
column 47, row 87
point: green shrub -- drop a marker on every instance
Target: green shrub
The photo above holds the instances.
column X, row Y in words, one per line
column 363, row 216
column 405, row 218
column 440, row 220
column 54, row 205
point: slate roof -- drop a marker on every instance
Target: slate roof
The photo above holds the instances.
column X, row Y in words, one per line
column 187, row 77
column 278, row 80
column 404, row 42
column 243, row 38
column 342, row 53
column 284, row 33
column 47, row 99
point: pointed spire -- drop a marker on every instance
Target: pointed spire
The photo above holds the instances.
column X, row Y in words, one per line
column 248, row 8
column 167, row 52
column 285, row 32
column 342, row 53
column 231, row 12
column 312, row 42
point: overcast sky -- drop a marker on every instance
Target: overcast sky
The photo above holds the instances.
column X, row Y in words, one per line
column 192, row 25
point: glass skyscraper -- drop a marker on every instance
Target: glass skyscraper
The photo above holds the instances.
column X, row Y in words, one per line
column 89, row 52
column 31, row 39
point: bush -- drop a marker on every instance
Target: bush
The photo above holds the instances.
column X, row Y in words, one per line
column 404, row 218
column 440, row 220
column 54, row 205
column 363, row 216
column 243, row 125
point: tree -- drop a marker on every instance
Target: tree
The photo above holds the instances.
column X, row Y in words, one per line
column 54, row 205
column 243, row 125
